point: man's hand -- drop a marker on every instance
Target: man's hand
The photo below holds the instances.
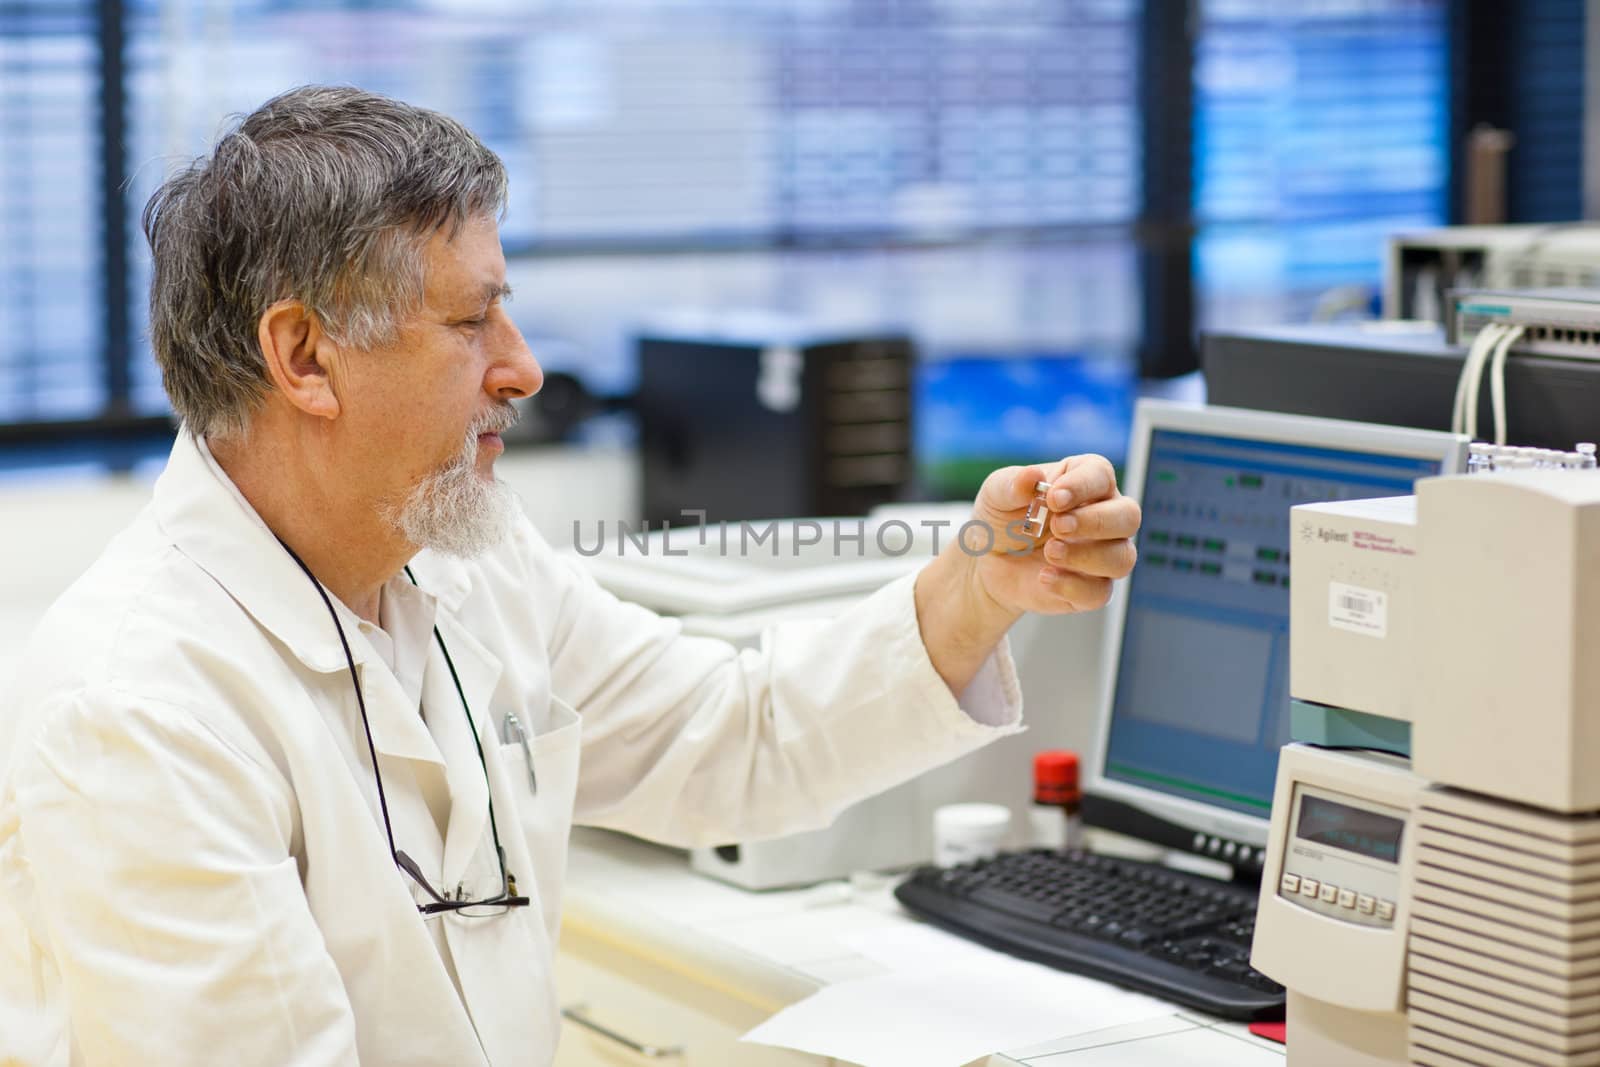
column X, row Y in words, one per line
column 1087, row 542
column 978, row 586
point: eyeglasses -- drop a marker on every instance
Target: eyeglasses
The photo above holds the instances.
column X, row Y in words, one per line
column 458, row 903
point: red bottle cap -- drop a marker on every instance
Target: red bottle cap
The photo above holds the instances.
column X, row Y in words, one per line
column 1055, row 777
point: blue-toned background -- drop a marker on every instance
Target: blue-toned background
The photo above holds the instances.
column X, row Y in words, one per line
column 976, row 413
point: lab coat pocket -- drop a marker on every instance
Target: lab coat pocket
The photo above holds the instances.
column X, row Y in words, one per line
column 545, row 794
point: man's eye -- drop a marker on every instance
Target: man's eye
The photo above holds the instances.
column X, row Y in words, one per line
column 473, row 323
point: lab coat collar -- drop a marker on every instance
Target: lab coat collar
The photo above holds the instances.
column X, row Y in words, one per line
column 211, row 525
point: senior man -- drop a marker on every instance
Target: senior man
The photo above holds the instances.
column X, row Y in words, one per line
column 291, row 771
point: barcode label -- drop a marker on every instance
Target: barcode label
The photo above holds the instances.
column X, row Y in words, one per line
column 1362, row 611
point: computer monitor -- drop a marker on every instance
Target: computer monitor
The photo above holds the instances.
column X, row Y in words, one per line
column 1195, row 703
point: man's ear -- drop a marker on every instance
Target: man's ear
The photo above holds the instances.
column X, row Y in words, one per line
column 300, row 357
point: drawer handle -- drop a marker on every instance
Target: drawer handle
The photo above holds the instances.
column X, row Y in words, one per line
column 578, row 1013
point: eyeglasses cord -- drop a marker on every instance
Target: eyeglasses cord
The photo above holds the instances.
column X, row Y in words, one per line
column 366, row 725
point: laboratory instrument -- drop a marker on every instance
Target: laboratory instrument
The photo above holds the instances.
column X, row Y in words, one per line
column 1332, row 917
column 1452, row 628
column 1563, row 323
column 1422, row 266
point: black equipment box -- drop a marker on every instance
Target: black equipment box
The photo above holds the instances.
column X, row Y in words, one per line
column 1389, row 374
column 772, row 430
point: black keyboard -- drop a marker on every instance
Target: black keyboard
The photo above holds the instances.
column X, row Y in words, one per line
column 1182, row 937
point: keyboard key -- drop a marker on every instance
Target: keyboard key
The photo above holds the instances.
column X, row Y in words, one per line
column 1230, row 968
column 1011, row 903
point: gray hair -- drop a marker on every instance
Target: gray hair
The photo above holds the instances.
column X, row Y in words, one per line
column 323, row 195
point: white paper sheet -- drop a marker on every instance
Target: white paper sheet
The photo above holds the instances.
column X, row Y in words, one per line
column 946, row 1004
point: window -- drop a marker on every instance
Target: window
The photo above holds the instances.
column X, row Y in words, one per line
column 51, row 269
column 972, row 171
column 938, row 167
column 1319, row 129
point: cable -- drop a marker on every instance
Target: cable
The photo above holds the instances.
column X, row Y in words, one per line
column 1362, row 748
column 1475, row 384
column 1466, row 406
column 1497, row 380
column 1458, row 416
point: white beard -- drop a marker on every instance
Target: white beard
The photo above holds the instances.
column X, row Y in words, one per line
column 454, row 510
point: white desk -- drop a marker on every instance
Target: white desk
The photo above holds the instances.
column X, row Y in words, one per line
column 740, row 956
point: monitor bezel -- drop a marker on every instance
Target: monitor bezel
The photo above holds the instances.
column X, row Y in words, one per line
column 1151, row 415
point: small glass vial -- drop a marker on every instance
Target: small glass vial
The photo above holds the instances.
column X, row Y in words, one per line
column 1480, row 457
column 1586, row 450
column 1054, row 818
column 1038, row 513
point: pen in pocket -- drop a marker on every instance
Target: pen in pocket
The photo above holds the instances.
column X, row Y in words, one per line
column 515, row 732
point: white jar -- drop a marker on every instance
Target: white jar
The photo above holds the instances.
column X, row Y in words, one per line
column 966, row 832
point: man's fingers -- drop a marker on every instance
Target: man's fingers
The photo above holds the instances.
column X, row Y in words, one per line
column 1010, row 488
column 1106, row 520
column 1097, row 559
column 1013, row 488
column 1083, row 480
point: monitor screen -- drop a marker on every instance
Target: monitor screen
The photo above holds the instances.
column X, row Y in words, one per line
column 1199, row 703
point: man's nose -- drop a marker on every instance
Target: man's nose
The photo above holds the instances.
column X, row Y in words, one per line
column 514, row 373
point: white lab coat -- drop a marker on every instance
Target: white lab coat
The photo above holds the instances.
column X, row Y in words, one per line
column 192, row 864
